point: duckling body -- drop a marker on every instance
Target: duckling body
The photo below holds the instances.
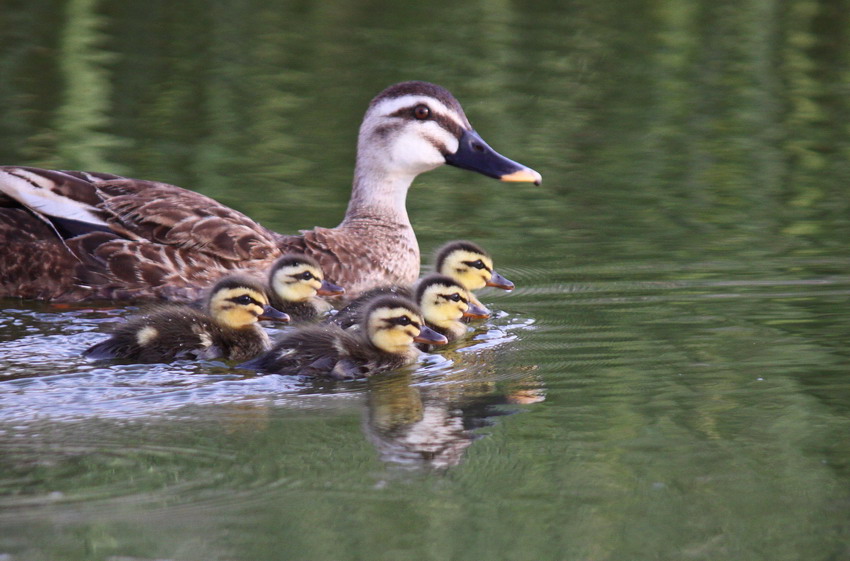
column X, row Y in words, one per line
column 389, row 329
column 228, row 329
column 111, row 237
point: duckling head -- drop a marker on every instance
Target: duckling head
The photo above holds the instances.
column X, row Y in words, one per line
column 394, row 324
column 470, row 265
column 297, row 278
column 414, row 127
column 444, row 301
column 239, row 302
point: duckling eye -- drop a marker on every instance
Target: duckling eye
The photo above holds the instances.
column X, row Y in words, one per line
column 421, row 112
column 403, row 320
column 306, row 275
column 478, row 264
column 243, row 300
column 455, row 297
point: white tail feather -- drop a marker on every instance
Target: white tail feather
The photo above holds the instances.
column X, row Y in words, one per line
column 36, row 193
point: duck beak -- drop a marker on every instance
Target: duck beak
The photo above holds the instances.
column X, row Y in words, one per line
column 429, row 336
column 273, row 314
column 330, row 289
column 476, row 311
column 476, row 155
column 499, row 281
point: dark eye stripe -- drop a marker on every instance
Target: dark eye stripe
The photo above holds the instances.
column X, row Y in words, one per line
column 445, row 122
column 472, row 264
column 403, row 321
column 239, row 300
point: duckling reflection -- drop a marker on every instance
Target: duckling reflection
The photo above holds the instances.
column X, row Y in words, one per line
column 431, row 426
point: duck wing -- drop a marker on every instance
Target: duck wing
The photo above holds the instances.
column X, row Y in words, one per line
column 139, row 238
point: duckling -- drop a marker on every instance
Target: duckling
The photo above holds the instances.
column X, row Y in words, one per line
column 443, row 301
column 294, row 282
column 471, row 266
column 102, row 236
column 388, row 331
column 227, row 330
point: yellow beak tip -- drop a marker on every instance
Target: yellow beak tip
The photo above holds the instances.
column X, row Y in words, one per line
column 526, row 175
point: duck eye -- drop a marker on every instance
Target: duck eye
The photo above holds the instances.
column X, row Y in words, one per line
column 478, row 264
column 455, row 297
column 421, row 112
column 403, row 320
column 243, row 300
column 307, row 275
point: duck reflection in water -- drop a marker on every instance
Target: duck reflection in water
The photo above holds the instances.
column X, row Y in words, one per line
column 431, row 426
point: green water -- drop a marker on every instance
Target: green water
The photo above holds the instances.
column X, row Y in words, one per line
column 669, row 380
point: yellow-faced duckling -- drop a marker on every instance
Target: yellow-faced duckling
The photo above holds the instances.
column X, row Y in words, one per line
column 295, row 281
column 443, row 301
column 389, row 330
column 471, row 266
column 102, row 236
column 227, row 329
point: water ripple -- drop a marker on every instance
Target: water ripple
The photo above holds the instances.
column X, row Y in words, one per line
column 45, row 377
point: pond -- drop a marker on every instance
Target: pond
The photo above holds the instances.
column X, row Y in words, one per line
column 669, row 380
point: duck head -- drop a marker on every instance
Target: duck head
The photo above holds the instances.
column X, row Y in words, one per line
column 394, row 324
column 297, row 278
column 467, row 263
column 239, row 302
column 444, row 302
column 414, row 127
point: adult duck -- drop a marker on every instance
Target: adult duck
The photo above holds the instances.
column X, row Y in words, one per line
column 101, row 236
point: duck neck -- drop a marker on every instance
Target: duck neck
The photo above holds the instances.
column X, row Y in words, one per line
column 378, row 195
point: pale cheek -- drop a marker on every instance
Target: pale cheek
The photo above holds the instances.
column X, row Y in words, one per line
column 473, row 281
column 451, row 143
column 416, row 154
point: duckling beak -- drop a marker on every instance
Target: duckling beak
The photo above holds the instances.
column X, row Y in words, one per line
column 330, row 289
column 273, row 314
column 476, row 155
column 499, row 281
column 429, row 336
column 476, row 311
